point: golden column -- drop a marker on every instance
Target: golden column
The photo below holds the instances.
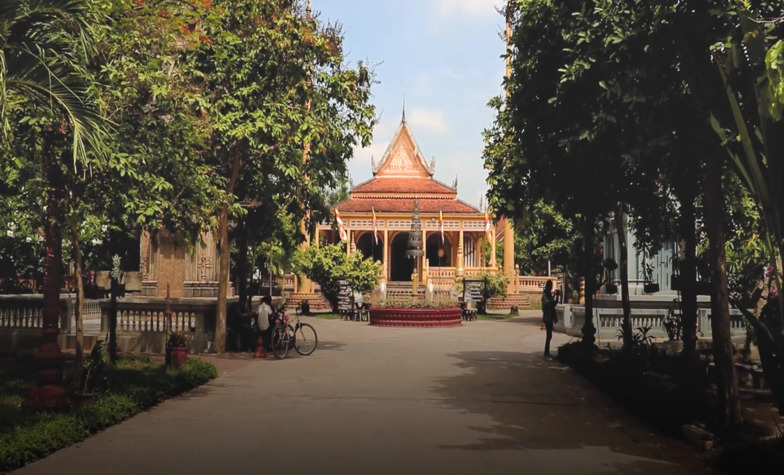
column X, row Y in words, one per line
column 305, row 284
column 493, row 264
column 509, row 236
column 386, row 252
column 424, row 257
column 460, row 266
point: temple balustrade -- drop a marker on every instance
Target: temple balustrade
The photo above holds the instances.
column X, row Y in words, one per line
column 607, row 321
column 143, row 325
column 21, row 319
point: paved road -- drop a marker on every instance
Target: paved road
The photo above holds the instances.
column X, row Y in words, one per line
column 471, row 400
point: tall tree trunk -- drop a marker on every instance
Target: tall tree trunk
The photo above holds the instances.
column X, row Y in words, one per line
column 688, row 276
column 242, row 265
column 225, row 249
column 729, row 412
column 79, row 309
column 588, row 330
column 623, row 268
column 49, row 391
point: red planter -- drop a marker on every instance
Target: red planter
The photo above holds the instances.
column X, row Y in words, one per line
column 416, row 317
column 176, row 356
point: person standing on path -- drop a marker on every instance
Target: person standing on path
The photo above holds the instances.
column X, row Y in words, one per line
column 548, row 315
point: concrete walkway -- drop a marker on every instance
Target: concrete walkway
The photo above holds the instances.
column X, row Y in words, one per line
column 471, row 400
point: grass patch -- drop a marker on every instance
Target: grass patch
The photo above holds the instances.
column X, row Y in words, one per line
column 492, row 316
column 135, row 384
column 327, row 316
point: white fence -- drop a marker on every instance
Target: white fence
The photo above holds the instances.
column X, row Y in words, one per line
column 571, row 319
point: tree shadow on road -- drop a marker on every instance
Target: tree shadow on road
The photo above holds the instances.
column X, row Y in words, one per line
column 540, row 404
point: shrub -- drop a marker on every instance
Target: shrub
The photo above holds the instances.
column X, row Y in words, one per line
column 134, row 384
column 759, row 457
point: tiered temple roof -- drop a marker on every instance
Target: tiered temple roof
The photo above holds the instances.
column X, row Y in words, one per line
column 402, row 176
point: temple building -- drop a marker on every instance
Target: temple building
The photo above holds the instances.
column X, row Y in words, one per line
column 400, row 179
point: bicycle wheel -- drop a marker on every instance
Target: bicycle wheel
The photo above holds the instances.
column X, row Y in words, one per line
column 280, row 341
column 305, row 339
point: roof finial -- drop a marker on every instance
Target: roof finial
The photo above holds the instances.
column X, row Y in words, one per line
column 309, row 11
column 404, row 108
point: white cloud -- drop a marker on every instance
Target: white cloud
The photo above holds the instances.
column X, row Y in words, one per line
column 427, row 119
column 468, row 8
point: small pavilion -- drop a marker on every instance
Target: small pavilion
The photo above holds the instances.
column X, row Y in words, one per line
column 401, row 177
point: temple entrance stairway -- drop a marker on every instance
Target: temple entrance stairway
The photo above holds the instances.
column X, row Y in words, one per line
column 519, row 300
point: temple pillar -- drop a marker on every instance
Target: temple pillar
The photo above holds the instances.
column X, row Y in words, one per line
column 386, row 255
column 424, row 257
column 493, row 264
column 509, row 268
column 508, row 248
column 460, row 269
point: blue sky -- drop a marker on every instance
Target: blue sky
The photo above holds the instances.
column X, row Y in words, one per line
column 444, row 56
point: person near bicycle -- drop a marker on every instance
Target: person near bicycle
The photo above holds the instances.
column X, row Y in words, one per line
column 263, row 316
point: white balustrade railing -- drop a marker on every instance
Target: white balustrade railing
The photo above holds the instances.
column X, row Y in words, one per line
column 608, row 321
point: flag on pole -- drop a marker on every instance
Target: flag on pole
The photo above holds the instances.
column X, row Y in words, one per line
column 341, row 229
column 375, row 225
column 441, row 224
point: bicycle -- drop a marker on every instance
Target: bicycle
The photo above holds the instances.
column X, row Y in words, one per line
column 302, row 336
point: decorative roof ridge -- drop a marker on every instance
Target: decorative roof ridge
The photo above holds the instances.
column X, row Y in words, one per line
column 402, row 196
column 472, row 206
column 444, row 184
column 417, row 151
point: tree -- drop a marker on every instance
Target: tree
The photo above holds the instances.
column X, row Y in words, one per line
column 326, row 265
column 255, row 62
column 45, row 48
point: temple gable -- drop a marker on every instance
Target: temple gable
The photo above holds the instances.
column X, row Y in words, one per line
column 403, row 157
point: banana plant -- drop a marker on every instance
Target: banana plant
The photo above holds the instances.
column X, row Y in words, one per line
column 751, row 66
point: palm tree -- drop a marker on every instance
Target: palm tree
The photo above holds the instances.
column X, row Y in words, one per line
column 45, row 48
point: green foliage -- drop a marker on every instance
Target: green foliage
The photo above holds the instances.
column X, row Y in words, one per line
column 177, row 339
column 135, row 384
column 497, row 283
column 95, row 367
column 326, row 265
column 763, row 456
column 545, row 235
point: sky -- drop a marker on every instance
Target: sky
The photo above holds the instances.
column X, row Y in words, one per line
column 444, row 58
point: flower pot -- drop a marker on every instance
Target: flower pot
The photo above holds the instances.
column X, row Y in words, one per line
column 176, row 356
column 650, row 288
column 611, row 288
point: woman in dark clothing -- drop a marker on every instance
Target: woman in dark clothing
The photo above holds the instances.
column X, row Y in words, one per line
column 548, row 315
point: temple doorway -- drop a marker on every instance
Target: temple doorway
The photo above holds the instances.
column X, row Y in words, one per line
column 401, row 266
column 438, row 255
column 366, row 244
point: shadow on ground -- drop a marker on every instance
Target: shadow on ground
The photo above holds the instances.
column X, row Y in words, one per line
column 520, row 392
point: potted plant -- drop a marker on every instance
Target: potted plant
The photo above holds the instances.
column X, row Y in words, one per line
column 176, row 349
column 649, row 286
column 94, row 375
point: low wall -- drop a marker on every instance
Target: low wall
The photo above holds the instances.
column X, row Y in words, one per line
column 142, row 325
column 21, row 320
column 571, row 319
column 416, row 317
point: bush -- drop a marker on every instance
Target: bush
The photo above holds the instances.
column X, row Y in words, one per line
column 326, row 265
column 624, row 377
column 133, row 385
column 755, row 458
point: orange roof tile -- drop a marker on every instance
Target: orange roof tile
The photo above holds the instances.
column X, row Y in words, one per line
column 403, row 185
column 405, row 205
